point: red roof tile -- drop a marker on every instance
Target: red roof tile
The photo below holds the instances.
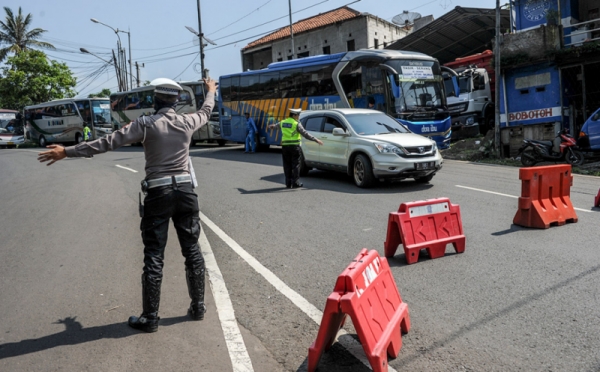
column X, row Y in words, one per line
column 320, row 20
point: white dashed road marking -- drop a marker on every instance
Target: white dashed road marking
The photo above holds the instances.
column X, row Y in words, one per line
column 509, row 196
column 129, row 169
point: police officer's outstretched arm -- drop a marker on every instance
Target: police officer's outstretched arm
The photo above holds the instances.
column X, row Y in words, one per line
column 201, row 117
column 131, row 133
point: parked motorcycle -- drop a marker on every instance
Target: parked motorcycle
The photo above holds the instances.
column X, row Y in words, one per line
column 533, row 152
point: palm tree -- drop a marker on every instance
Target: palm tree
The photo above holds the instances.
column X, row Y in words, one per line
column 15, row 36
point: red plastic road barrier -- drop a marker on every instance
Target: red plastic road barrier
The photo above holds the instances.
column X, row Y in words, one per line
column 427, row 224
column 545, row 197
column 366, row 291
column 597, row 200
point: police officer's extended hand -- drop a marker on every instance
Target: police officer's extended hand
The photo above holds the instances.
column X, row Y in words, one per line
column 319, row 142
column 210, row 84
column 56, row 153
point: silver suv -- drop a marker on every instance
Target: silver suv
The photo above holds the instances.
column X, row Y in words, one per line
column 368, row 145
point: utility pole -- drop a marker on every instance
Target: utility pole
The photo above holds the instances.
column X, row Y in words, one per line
column 200, row 36
column 130, row 58
column 498, row 84
column 137, row 68
column 118, row 71
column 291, row 29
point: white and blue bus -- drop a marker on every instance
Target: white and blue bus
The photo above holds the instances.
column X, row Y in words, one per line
column 62, row 121
column 406, row 85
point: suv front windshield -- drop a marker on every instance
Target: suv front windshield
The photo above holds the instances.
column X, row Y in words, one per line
column 375, row 123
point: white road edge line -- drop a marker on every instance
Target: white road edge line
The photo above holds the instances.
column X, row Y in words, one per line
column 353, row 346
column 238, row 354
column 129, row 169
column 510, row 196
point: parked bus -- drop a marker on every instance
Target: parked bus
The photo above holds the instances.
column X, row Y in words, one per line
column 128, row 106
column 406, row 85
column 63, row 120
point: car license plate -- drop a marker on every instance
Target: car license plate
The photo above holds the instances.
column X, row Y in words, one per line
column 10, row 143
column 425, row 165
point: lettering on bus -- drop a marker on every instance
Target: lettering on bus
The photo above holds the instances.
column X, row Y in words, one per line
column 52, row 123
column 321, row 106
column 531, row 114
column 428, row 129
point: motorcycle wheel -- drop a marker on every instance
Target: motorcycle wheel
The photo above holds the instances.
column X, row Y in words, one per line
column 575, row 157
column 528, row 158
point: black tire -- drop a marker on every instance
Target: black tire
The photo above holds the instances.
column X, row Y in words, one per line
column 221, row 142
column 78, row 138
column 575, row 157
column 528, row 158
column 362, row 171
column 42, row 141
column 425, row 179
column 262, row 147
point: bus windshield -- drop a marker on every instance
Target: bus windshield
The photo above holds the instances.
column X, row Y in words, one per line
column 101, row 110
column 417, row 87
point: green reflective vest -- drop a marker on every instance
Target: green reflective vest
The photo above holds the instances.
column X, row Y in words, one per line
column 289, row 132
column 86, row 133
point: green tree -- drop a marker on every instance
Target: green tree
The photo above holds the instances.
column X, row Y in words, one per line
column 14, row 34
column 103, row 93
column 29, row 78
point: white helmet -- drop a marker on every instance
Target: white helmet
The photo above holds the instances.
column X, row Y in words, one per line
column 166, row 86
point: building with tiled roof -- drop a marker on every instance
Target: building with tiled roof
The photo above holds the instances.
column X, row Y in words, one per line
column 339, row 30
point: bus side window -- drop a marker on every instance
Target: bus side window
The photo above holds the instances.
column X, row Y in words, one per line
column 225, row 89
column 235, row 88
column 269, row 85
column 290, row 83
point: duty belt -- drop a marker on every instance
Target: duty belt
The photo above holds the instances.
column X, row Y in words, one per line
column 172, row 180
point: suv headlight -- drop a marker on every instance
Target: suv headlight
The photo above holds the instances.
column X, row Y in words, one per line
column 433, row 148
column 386, row 148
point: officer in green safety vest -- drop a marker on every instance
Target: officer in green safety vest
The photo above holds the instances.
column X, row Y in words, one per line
column 291, row 130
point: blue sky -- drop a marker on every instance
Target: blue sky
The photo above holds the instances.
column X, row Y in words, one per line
column 160, row 40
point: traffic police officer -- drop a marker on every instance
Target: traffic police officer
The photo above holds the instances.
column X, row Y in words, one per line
column 169, row 191
column 291, row 130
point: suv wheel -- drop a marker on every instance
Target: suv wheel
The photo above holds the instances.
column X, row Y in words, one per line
column 362, row 171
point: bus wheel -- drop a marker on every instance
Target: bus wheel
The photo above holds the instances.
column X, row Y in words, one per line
column 263, row 147
column 42, row 141
column 221, row 142
column 78, row 138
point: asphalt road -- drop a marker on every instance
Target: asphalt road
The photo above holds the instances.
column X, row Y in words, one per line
column 518, row 299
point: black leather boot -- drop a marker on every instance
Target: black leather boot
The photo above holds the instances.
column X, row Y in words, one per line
column 195, row 282
column 148, row 321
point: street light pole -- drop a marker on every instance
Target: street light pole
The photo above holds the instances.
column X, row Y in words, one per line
column 120, row 50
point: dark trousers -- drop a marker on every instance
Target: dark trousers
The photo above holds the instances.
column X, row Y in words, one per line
column 291, row 164
column 160, row 205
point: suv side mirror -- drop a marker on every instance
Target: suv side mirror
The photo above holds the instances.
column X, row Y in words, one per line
column 339, row 132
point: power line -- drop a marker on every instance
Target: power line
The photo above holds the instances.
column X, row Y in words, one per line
column 237, row 20
column 188, row 66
